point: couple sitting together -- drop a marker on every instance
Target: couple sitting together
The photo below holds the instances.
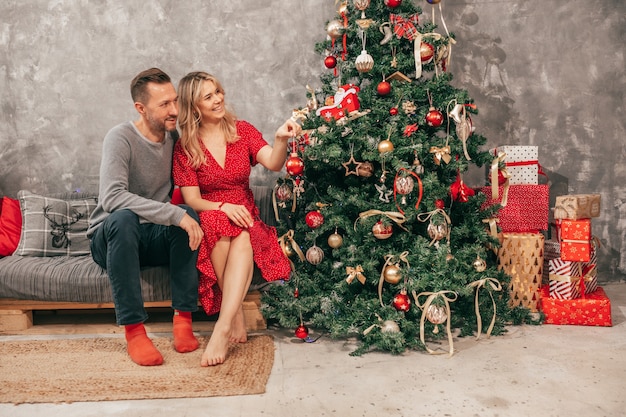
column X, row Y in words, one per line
column 212, row 241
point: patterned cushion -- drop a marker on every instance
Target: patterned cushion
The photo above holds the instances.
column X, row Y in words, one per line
column 54, row 226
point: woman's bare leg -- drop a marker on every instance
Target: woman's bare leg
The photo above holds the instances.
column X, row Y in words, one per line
column 236, row 278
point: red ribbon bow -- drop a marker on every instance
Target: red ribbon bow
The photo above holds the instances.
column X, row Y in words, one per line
column 404, row 27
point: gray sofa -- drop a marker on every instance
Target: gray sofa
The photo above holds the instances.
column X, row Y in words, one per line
column 78, row 279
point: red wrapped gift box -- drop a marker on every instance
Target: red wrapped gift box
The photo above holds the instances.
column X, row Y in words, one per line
column 575, row 240
column 526, row 210
column 592, row 310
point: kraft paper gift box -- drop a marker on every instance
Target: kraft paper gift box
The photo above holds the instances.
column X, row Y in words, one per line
column 522, row 163
column 521, row 256
column 526, row 210
column 592, row 309
column 575, row 240
column 577, row 206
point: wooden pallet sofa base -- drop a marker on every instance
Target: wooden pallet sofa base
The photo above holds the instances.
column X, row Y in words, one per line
column 17, row 315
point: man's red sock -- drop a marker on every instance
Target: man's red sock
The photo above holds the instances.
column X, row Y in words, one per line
column 184, row 339
column 140, row 347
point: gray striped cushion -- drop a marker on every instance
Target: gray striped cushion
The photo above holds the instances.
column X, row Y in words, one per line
column 72, row 279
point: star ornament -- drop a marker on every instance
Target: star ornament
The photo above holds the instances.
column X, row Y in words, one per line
column 384, row 194
column 349, row 163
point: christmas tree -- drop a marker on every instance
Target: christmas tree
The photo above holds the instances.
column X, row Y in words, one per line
column 387, row 242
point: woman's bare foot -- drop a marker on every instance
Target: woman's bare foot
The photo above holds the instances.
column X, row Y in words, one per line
column 215, row 352
column 239, row 333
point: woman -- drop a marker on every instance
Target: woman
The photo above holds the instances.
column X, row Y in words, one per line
column 212, row 163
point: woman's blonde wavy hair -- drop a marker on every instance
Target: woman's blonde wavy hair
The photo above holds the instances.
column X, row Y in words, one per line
column 189, row 119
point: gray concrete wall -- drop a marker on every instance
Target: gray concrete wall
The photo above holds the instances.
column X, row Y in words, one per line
column 545, row 73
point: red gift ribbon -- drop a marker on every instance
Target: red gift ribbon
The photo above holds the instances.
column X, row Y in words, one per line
column 404, row 28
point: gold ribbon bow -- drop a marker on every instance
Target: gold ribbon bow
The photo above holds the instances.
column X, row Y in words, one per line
column 389, row 259
column 493, row 229
column 355, row 273
column 441, row 154
column 286, row 241
column 495, row 192
column 397, row 218
column 496, row 286
column 432, row 296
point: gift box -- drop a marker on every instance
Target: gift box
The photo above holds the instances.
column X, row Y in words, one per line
column 564, row 287
column 577, row 206
column 575, row 240
column 522, row 163
column 521, row 257
column 593, row 309
column 526, row 210
column 564, row 278
column 551, row 250
column 590, row 279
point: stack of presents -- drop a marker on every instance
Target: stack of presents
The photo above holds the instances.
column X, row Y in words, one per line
column 556, row 276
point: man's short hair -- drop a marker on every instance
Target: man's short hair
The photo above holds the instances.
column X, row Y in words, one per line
column 138, row 86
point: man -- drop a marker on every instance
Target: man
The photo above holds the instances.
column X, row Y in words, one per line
column 134, row 223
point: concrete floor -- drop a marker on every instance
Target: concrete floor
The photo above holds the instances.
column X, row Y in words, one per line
column 533, row 370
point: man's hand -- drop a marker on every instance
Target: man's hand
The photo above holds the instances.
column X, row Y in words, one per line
column 193, row 229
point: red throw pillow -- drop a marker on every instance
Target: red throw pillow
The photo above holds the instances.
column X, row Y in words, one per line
column 177, row 197
column 10, row 226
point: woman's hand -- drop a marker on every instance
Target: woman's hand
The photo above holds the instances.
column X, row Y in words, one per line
column 238, row 214
column 288, row 130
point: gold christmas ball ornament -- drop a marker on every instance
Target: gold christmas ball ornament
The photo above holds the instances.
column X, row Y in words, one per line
column 382, row 231
column 334, row 29
column 390, row 326
column 437, row 231
column 364, row 62
column 288, row 250
column 436, row 314
column 314, row 255
column 479, row 264
column 335, row 240
column 385, row 146
column 392, row 274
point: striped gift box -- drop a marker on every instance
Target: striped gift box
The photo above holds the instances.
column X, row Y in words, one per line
column 590, row 277
column 551, row 250
column 564, row 287
column 569, row 268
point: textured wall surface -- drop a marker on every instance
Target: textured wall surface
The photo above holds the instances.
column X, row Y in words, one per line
column 542, row 73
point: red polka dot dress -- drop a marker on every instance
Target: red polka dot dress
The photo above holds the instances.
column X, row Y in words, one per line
column 230, row 184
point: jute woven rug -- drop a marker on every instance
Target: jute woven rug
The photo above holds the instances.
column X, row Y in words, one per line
column 69, row 370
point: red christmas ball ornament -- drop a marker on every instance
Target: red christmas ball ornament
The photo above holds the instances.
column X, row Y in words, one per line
column 294, row 165
column 330, row 62
column 427, row 51
column 401, row 301
column 393, row 111
column 302, row 332
column 434, row 118
column 440, row 204
column 393, row 3
column 383, row 88
column 314, row 219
